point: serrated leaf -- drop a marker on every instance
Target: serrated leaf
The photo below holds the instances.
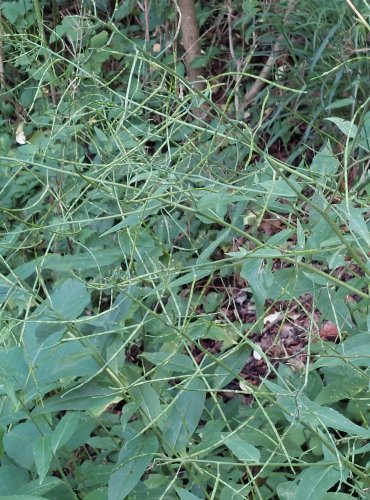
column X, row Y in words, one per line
column 133, row 460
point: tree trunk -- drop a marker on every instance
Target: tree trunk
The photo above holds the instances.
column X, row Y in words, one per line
column 190, row 40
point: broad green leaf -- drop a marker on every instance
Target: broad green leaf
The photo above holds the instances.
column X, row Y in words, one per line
column 42, row 452
column 22, row 497
column 69, row 299
column 261, row 280
column 96, row 258
column 99, row 40
column 12, row 478
column 337, row 390
column 148, row 401
column 280, row 188
column 340, row 103
column 290, row 283
column 64, row 430
column 240, row 448
column 98, row 494
column 356, row 221
column 324, row 162
column 35, row 488
column 133, row 460
column 314, row 482
column 337, row 496
column 19, row 441
column 101, row 137
column 177, row 363
column 191, row 277
column 300, row 407
column 356, row 348
column 287, row 490
column 183, row 417
column 185, row 494
column 208, row 251
column 214, row 204
column 64, row 360
column 92, row 397
column 232, row 365
column 348, row 128
column 210, row 436
column 208, row 330
column 13, row 368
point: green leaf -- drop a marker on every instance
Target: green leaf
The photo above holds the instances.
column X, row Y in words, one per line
column 91, row 396
column 337, row 496
column 233, row 363
column 64, row 430
column 240, row 448
column 35, row 488
column 99, row 40
column 300, row 407
column 280, row 188
column 356, row 221
column 348, row 128
column 42, row 452
column 124, row 9
column 19, row 441
column 324, row 162
column 133, row 460
column 177, row 363
column 69, row 299
column 148, row 401
column 98, row 494
column 261, row 280
column 183, row 417
column 12, row 478
column 316, row 481
column 337, row 390
column 22, row 497
column 185, row 494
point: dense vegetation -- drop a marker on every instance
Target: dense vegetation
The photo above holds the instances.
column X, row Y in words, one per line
column 184, row 268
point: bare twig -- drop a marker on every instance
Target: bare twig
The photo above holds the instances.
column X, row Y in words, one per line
column 146, row 14
column 2, row 78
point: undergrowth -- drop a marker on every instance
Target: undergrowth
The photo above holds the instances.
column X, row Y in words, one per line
column 184, row 277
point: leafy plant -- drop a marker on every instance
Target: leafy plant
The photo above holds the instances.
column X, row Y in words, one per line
column 184, row 279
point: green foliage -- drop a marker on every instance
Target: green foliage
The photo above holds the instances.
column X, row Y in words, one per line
column 167, row 279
